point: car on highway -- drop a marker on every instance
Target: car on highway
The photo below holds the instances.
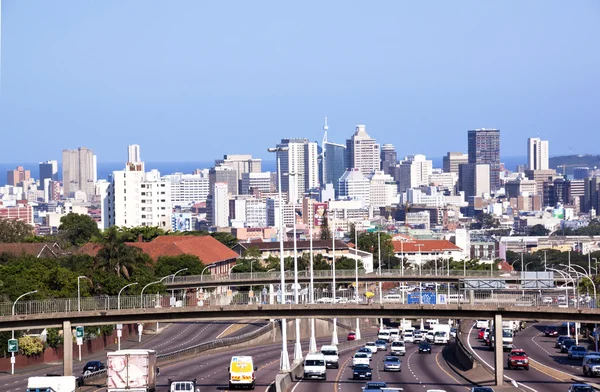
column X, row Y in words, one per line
column 187, row 385
column 93, row 366
column 424, row 347
column 409, row 337
column 576, row 352
column 398, row 348
column 362, row 371
column 480, row 333
column 376, row 386
column 580, row 388
column 486, row 333
column 481, row 389
column 381, row 344
column 366, row 351
column 453, row 332
column 351, row 336
column 591, row 365
column 518, row 359
column 384, row 334
column 551, row 331
column 418, row 336
column 430, row 336
column 315, row 366
column 360, row 358
column 559, row 340
column 371, row 346
column 547, row 300
column 566, row 345
column 324, row 300
column 482, row 324
column 392, row 364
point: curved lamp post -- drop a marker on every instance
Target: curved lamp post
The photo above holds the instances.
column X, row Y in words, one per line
column 12, row 355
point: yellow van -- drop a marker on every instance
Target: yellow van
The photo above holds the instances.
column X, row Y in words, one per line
column 241, row 372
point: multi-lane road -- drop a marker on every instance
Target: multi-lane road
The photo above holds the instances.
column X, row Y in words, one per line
column 176, row 336
column 557, row 369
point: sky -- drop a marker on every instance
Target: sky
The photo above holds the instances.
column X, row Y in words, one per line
column 192, row 80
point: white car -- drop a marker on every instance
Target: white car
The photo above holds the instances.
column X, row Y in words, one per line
column 418, row 336
column 324, row 300
column 547, row 300
column 398, row 348
column 360, row 358
column 430, row 336
column 409, row 337
column 371, row 346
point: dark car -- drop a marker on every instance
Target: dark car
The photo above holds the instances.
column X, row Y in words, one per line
column 362, row 371
column 481, row 389
column 566, row 345
column 560, row 339
column 551, row 331
column 424, row 347
column 93, row 366
column 580, row 388
column 374, row 386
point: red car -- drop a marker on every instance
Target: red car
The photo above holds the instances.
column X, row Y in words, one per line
column 551, row 331
column 518, row 359
column 351, row 336
column 481, row 333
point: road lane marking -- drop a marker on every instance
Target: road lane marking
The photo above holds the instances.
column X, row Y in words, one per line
column 225, row 330
column 340, row 371
column 444, row 370
column 488, row 365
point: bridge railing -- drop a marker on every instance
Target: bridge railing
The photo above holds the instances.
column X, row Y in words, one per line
column 246, row 276
column 538, row 298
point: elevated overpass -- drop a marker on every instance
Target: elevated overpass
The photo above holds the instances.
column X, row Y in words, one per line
column 326, row 276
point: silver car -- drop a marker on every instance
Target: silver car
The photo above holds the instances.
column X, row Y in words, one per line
column 392, row 364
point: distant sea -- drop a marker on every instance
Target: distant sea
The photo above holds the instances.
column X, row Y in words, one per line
column 105, row 169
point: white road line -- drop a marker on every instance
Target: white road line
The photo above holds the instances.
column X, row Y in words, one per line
column 487, row 364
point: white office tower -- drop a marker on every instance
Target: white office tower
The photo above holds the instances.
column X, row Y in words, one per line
column 255, row 181
column 188, row 189
column 354, row 185
column 139, row 199
column 363, row 153
column 220, row 205
column 79, row 171
column 413, row 172
column 274, row 213
column 537, row 154
column 102, row 188
column 133, row 153
column 248, row 211
column 299, row 167
column 383, row 188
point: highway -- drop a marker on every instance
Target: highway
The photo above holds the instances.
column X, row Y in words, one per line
column 176, row 336
column 533, row 380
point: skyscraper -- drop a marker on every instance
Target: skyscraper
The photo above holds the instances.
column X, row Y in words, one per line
column 18, row 176
column 537, row 154
column 299, row 167
column 452, row 160
column 133, row 154
column 220, row 206
column 78, row 171
column 333, row 161
column 484, row 148
column 362, row 152
column 413, row 171
column 48, row 170
column 389, row 159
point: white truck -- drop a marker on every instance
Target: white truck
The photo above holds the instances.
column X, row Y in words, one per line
column 131, row 371
column 55, row 383
column 507, row 339
column 441, row 334
column 332, row 358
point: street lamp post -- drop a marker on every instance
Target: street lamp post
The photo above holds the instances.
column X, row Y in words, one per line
column 357, row 332
column 334, row 335
column 527, row 265
column 207, row 267
column 119, row 308
column 379, row 271
column 565, row 276
column 297, row 345
column 12, row 355
column 173, row 280
column 312, row 347
column 79, row 292
column 284, row 362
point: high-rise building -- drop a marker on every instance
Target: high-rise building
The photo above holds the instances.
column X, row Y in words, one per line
column 255, row 181
column 362, row 152
column 474, row 179
column 299, row 167
column 389, row 159
column 136, row 198
column 383, row 189
column 413, row 172
column 484, row 148
column 78, row 171
column 537, row 154
column 333, row 161
column 452, row 160
column 241, row 163
column 581, row 172
column 220, row 205
column 133, row 154
column 187, row 189
column 18, row 176
column 48, row 170
column 354, row 185
column 223, row 174
column 540, row 177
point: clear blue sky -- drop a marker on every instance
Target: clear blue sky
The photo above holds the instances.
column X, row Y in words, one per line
column 192, row 80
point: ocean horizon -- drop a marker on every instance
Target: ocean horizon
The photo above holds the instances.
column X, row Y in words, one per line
column 105, row 169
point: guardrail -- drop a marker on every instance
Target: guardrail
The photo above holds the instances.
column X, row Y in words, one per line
column 340, row 274
column 198, row 348
column 538, row 298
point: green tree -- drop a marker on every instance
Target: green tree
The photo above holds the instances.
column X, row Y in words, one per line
column 487, row 221
column 116, row 257
column 226, row 239
column 29, row 346
column 538, row 230
column 166, row 265
column 146, row 233
column 78, row 229
column 53, row 338
column 325, row 229
column 14, row 231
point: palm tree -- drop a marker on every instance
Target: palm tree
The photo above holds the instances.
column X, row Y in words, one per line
column 116, row 257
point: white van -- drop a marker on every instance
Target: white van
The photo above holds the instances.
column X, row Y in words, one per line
column 394, row 334
column 384, row 334
column 332, row 359
column 241, row 372
column 314, row 366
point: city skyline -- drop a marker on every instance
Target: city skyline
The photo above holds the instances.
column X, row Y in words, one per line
column 64, row 73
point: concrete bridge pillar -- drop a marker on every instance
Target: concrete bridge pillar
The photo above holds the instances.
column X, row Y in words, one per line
column 498, row 350
column 471, row 297
column 67, row 349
